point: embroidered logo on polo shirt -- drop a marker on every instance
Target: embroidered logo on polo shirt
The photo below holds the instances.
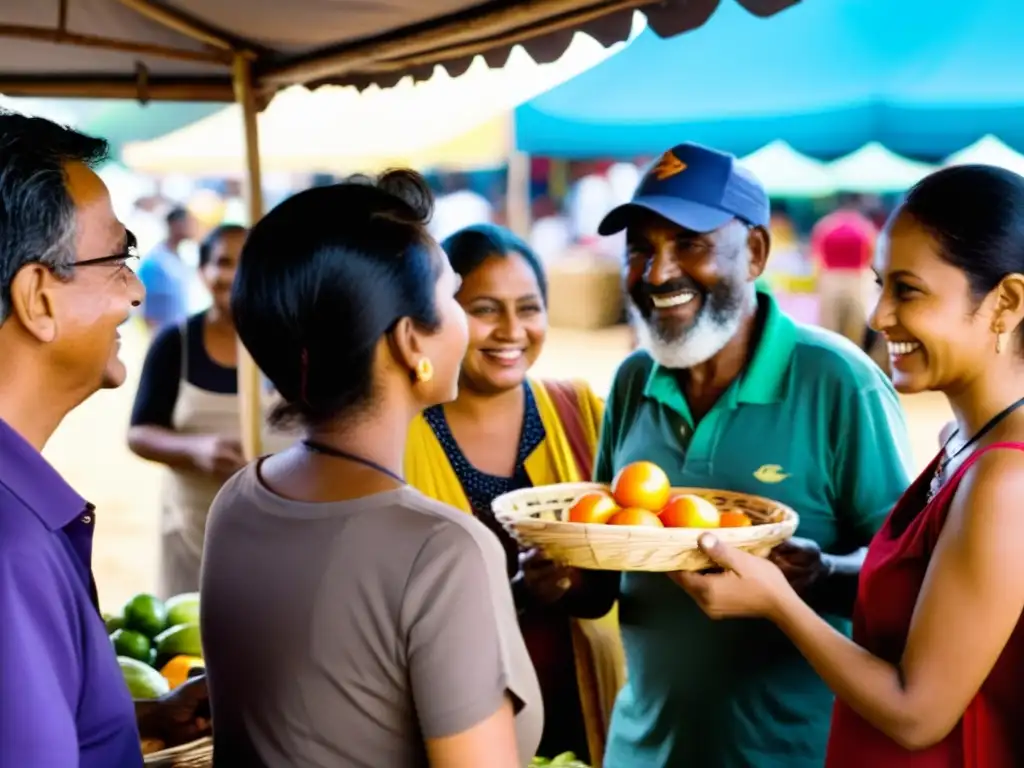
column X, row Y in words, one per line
column 668, row 166
column 770, row 473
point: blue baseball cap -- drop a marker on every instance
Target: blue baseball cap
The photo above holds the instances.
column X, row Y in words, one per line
column 697, row 188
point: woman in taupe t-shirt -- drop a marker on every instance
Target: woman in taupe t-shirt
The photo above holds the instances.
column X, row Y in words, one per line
column 347, row 619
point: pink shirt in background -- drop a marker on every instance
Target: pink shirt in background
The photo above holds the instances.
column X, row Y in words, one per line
column 844, row 239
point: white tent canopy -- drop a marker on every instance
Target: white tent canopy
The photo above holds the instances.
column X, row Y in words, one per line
column 989, row 151
column 785, row 172
column 875, row 169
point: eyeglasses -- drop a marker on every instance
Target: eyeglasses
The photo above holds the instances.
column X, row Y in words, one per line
column 129, row 257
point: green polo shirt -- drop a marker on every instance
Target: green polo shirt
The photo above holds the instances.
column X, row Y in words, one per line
column 811, row 422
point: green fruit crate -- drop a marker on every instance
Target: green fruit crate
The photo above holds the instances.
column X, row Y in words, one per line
column 195, row 754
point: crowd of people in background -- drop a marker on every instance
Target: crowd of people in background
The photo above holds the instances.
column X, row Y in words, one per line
column 828, row 242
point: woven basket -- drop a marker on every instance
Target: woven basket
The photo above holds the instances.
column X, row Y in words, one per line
column 195, row 754
column 537, row 518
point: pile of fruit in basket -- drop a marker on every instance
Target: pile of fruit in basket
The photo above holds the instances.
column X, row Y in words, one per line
column 641, row 494
column 157, row 643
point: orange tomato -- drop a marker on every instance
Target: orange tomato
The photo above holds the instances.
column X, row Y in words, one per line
column 689, row 511
column 641, row 484
column 592, row 507
column 176, row 670
column 636, row 516
column 733, row 518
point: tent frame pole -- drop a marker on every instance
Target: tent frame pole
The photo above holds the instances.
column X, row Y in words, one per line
column 249, row 379
column 517, row 194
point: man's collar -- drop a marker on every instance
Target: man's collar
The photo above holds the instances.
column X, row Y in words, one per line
column 763, row 380
column 31, row 478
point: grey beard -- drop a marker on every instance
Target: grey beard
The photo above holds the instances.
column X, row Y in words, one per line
column 698, row 344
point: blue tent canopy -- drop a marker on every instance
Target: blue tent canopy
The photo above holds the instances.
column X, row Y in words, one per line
column 924, row 77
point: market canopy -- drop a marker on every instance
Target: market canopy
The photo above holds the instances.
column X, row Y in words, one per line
column 924, row 77
column 227, row 50
column 444, row 123
column 873, row 169
column 188, row 49
column 784, row 172
column 989, row 150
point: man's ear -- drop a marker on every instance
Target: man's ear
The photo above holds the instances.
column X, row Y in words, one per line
column 33, row 301
column 759, row 244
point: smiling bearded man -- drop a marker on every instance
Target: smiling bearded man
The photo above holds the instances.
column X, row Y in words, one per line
column 680, row 322
column 729, row 392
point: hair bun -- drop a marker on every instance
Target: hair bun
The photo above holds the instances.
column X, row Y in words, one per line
column 412, row 189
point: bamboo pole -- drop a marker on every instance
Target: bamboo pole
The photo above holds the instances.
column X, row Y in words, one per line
column 517, row 188
column 182, row 24
column 217, row 91
column 61, row 37
column 517, row 195
column 248, row 373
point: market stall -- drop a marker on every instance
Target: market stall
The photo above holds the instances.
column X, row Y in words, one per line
column 213, row 50
column 217, row 51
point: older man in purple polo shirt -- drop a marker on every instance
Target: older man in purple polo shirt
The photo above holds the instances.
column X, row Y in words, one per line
column 65, row 288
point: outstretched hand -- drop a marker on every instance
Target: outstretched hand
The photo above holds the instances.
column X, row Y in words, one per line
column 748, row 585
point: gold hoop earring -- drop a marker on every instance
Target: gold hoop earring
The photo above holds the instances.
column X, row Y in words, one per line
column 424, row 370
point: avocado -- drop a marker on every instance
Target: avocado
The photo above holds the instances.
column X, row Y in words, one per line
column 143, row 681
column 132, row 644
column 146, row 614
column 183, row 609
column 112, row 622
column 182, row 640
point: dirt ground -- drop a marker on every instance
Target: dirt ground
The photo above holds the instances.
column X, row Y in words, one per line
column 90, row 450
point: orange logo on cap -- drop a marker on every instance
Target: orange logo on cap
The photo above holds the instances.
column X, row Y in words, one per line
column 668, row 166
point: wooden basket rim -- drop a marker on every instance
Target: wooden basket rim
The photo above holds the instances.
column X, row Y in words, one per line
column 180, row 750
column 535, row 517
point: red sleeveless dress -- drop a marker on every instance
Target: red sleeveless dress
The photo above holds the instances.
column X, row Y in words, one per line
column 991, row 732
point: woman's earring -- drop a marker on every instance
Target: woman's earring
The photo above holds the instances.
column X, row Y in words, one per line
column 1000, row 342
column 424, row 370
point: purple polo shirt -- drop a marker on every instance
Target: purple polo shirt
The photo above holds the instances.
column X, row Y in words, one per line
column 63, row 703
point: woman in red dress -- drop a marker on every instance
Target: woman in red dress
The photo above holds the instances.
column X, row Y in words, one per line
column 934, row 674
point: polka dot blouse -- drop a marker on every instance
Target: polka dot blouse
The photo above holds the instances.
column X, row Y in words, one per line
column 482, row 488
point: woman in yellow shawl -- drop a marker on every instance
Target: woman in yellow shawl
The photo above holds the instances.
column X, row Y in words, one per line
column 507, row 431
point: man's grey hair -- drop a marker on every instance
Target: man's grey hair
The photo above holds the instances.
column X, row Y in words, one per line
column 37, row 214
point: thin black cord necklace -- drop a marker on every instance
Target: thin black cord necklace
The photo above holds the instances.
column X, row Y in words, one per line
column 944, row 460
column 337, row 453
